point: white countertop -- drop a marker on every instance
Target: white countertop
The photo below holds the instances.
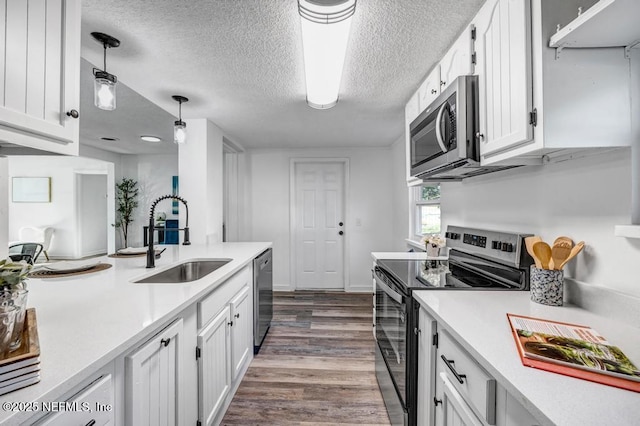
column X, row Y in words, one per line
column 86, row 321
column 478, row 321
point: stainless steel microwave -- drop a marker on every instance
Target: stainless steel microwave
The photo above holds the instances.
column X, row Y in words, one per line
column 444, row 137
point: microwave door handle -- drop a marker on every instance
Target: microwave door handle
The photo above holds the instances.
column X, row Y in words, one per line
column 438, row 127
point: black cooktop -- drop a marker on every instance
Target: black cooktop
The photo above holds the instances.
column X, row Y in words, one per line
column 461, row 271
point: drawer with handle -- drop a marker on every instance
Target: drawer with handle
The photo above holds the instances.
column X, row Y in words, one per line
column 475, row 385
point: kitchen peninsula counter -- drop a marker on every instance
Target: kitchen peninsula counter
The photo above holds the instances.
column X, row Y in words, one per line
column 478, row 321
column 86, row 321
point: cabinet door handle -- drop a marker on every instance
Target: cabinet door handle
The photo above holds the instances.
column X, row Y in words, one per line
column 73, row 113
column 449, row 363
column 436, row 401
column 434, row 91
column 91, row 423
column 165, row 342
column 230, row 323
column 236, row 316
column 417, row 331
column 480, row 136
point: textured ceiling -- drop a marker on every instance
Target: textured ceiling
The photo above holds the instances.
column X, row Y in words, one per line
column 240, row 63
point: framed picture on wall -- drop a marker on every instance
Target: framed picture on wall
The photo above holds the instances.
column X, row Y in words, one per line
column 31, row 190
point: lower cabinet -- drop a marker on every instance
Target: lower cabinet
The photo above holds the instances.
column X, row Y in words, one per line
column 153, row 380
column 224, row 344
column 241, row 330
column 93, row 405
column 455, row 389
column 214, row 366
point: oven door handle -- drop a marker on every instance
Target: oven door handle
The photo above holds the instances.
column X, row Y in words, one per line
column 439, row 127
column 389, row 291
column 479, row 271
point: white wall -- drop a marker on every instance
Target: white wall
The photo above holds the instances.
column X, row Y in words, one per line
column 92, row 214
column 61, row 213
column 583, row 199
column 400, row 197
column 370, row 201
column 154, row 174
column 200, row 164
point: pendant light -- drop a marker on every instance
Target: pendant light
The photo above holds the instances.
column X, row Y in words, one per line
column 325, row 34
column 179, row 127
column 104, row 86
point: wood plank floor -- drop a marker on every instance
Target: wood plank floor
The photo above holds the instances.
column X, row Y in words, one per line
column 316, row 365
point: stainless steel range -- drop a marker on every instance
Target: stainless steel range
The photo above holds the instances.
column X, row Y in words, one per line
column 478, row 260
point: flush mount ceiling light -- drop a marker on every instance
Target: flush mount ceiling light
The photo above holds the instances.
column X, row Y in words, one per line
column 325, row 33
column 104, row 86
column 179, row 127
column 150, row 138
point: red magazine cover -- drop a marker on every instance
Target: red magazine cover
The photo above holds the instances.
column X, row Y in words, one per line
column 573, row 350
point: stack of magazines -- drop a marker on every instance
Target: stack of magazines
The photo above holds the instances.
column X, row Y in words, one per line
column 22, row 367
column 573, row 350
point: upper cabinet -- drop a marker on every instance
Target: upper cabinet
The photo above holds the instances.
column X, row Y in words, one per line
column 40, row 81
column 538, row 99
column 503, row 52
column 537, row 102
column 608, row 23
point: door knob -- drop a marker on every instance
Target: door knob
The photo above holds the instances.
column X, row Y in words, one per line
column 340, row 224
column 340, row 233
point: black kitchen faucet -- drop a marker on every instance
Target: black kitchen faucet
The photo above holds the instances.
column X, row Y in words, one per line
column 151, row 255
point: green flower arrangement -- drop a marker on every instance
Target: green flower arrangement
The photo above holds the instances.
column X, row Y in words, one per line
column 13, row 274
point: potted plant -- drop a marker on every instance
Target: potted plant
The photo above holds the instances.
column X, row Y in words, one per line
column 13, row 295
column 127, row 199
column 432, row 244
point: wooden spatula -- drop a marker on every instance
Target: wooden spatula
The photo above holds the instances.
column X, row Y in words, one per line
column 559, row 253
column 529, row 242
column 543, row 252
column 574, row 252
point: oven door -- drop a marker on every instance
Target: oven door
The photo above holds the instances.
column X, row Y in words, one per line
column 391, row 330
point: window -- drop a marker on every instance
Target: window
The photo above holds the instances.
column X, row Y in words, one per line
column 427, row 209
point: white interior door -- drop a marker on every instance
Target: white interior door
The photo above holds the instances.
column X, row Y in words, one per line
column 319, row 225
column 92, row 217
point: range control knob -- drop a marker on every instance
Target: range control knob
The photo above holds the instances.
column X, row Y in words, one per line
column 509, row 247
column 454, row 236
column 496, row 245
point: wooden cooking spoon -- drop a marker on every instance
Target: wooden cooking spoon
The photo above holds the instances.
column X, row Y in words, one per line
column 559, row 253
column 565, row 239
column 543, row 252
column 574, row 252
column 529, row 242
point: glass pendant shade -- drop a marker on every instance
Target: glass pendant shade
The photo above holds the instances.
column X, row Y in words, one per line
column 325, row 34
column 179, row 132
column 104, row 94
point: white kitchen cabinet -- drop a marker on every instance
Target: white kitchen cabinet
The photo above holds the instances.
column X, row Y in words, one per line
column 93, row 405
column 503, row 52
column 537, row 102
column 430, row 88
column 241, row 307
column 40, row 79
column 455, row 410
column 411, row 111
column 458, row 60
column 426, row 367
column 463, row 392
column 153, row 380
column 224, row 345
column 214, row 366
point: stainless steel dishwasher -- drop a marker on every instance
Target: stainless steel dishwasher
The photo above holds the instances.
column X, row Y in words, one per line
column 262, row 297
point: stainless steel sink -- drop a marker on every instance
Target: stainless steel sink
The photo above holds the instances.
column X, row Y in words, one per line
column 185, row 272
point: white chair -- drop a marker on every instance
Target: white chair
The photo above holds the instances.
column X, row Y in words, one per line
column 31, row 234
